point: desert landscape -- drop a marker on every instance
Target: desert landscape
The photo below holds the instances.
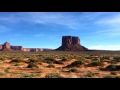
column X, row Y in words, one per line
column 58, row 64
column 70, row 60
column 59, row 45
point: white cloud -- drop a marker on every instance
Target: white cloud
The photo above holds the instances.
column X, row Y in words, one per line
column 110, row 24
column 105, row 47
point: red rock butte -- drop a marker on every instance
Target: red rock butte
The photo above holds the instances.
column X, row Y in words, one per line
column 71, row 43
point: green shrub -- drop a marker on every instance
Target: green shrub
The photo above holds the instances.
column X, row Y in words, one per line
column 73, row 70
column 90, row 74
column 2, row 58
column 96, row 63
column 51, row 66
column 117, row 59
column 64, row 59
column 53, row 75
column 17, row 60
column 112, row 67
column 111, row 76
column 58, row 62
column 31, row 65
column 76, row 63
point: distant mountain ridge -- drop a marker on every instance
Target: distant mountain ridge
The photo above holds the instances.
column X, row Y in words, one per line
column 7, row 47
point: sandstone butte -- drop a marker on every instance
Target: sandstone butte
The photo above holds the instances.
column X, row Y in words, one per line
column 69, row 43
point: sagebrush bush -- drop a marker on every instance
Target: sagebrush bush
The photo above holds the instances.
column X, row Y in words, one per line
column 112, row 67
column 76, row 63
column 17, row 60
column 73, row 70
column 97, row 63
column 53, row 75
column 51, row 66
column 111, row 76
column 32, row 65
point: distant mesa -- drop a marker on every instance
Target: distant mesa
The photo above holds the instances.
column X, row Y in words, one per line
column 7, row 47
column 71, row 43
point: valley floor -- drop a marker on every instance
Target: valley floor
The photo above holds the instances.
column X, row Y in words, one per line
column 92, row 64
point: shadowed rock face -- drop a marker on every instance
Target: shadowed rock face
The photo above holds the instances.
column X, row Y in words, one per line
column 16, row 47
column 6, row 46
column 71, row 43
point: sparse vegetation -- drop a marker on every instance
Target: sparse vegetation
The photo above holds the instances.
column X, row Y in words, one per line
column 112, row 67
column 32, row 65
column 51, row 66
column 73, row 70
column 96, row 63
column 17, row 60
column 85, row 64
column 53, row 75
column 76, row 63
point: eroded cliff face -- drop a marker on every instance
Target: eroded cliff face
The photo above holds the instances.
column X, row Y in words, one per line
column 16, row 47
column 71, row 43
column 6, row 47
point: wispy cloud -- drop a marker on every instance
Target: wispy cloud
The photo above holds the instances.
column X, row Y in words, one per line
column 45, row 18
column 111, row 25
column 54, row 18
column 105, row 47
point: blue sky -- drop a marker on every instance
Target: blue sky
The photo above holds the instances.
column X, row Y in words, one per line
column 96, row 30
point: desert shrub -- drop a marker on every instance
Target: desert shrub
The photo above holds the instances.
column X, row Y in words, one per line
column 96, row 63
column 111, row 76
column 51, row 60
column 2, row 58
column 31, row 65
column 53, row 75
column 113, row 62
column 94, row 59
column 106, row 57
column 90, row 74
column 58, row 62
column 51, row 66
column 73, row 70
column 88, row 57
column 17, row 64
column 17, row 60
column 76, row 63
column 64, row 59
column 27, row 76
column 87, row 61
column 33, row 60
column 7, row 70
column 112, row 67
column 113, row 73
column 117, row 59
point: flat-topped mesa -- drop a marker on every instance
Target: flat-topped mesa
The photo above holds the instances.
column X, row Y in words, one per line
column 70, row 40
column 71, row 43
